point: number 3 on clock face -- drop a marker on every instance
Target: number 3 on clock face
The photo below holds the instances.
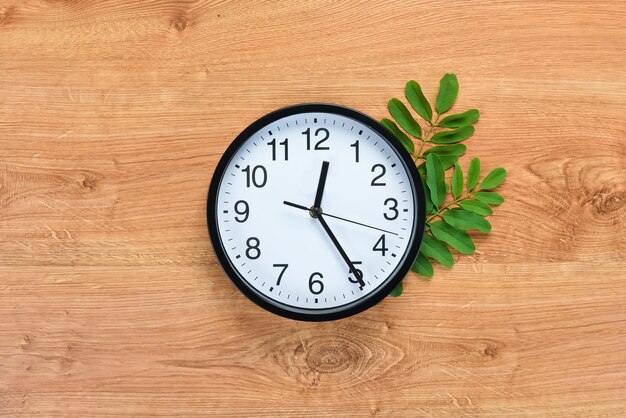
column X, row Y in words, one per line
column 316, row 212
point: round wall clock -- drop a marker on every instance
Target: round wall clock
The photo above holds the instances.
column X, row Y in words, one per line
column 316, row 212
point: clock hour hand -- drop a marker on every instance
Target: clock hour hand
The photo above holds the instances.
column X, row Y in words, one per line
column 353, row 270
column 320, row 185
column 295, row 205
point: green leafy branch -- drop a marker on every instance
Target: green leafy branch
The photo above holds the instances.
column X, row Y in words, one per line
column 456, row 206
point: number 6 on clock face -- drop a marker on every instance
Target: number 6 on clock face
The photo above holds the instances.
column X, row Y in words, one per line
column 301, row 195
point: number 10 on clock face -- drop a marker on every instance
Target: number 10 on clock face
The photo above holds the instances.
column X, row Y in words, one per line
column 315, row 212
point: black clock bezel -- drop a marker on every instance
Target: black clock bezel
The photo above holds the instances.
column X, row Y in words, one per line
column 354, row 307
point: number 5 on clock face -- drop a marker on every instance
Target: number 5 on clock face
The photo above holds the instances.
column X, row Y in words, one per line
column 316, row 212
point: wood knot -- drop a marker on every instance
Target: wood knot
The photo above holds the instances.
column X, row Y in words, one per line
column 88, row 182
column 490, row 350
column 180, row 22
column 341, row 356
column 5, row 13
column 26, row 342
column 605, row 201
column 333, row 356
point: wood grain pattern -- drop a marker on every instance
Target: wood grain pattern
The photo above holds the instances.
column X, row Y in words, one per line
column 113, row 116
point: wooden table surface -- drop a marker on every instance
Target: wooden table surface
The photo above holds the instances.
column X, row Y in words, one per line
column 114, row 114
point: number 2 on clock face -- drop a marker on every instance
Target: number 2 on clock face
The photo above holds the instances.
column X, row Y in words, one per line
column 315, row 213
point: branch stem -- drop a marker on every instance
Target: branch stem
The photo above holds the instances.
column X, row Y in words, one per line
column 446, row 207
column 426, row 138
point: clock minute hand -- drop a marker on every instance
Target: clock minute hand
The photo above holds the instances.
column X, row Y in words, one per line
column 353, row 269
column 295, row 205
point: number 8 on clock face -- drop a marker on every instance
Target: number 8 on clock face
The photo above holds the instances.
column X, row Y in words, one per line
column 316, row 212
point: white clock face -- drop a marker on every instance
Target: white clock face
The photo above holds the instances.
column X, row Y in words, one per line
column 309, row 257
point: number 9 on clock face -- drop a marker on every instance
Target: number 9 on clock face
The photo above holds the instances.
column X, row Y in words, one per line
column 316, row 212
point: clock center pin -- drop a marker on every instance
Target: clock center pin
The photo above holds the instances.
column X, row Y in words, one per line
column 314, row 212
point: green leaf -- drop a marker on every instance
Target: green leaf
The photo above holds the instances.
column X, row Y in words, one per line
column 423, row 266
column 429, row 203
column 489, row 197
column 408, row 144
column 458, row 240
column 397, row 291
column 402, row 115
column 455, row 135
column 460, row 119
column 465, row 220
column 448, row 90
column 448, row 160
column 476, row 207
column 422, row 170
column 435, row 249
column 493, row 179
column 456, row 149
column 435, row 179
column 457, row 181
column 473, row 174
column 418, row 102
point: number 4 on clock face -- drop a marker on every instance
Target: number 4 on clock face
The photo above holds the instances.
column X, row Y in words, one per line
column 316, row 212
